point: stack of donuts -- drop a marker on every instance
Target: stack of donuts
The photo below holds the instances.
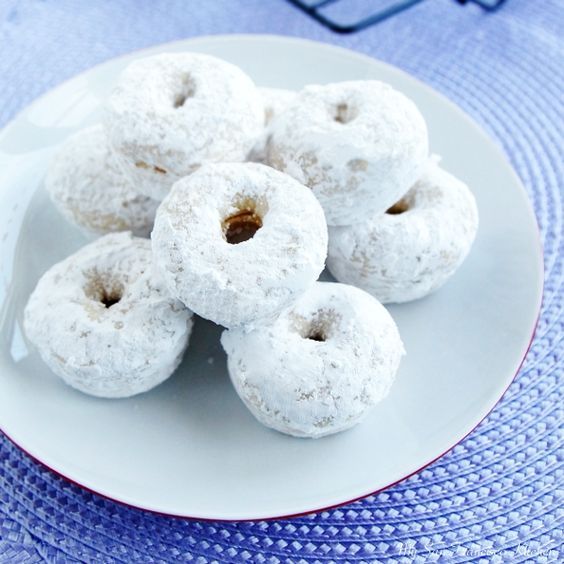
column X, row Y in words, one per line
column 245, row 193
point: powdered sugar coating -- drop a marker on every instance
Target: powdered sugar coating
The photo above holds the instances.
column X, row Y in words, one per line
column 115, row 351
column 249, row 282
column 275, row 100
column 358, row 145
column 87, row 186
column 398, row 258
column 312, row 388
column 171, row 113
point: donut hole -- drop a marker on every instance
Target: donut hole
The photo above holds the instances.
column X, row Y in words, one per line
column 145, row 166
column 316, row 334
column 108, row 299
column 399, row 207
column 242, row 225
column 186, row 90
column 103, row 289
column 344, row 113
column 319, row 327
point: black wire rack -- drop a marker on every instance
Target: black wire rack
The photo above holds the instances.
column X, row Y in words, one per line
column 329, row 12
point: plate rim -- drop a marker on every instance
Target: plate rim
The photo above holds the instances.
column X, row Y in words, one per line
column 181, row 43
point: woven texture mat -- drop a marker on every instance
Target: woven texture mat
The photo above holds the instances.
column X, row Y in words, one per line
column 496, row 497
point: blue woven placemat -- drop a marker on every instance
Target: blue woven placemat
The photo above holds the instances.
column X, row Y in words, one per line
column 497, row 496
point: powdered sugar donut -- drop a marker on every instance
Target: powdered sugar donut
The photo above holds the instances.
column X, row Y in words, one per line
column 104, row 322
column 172, row 112
column 359, row 145
column 320, row 366
column 239, row 242
column 91, row 191
column 275, row 100
column 412, row 249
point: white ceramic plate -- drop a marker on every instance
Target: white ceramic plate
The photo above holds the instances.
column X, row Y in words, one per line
column 189, row 447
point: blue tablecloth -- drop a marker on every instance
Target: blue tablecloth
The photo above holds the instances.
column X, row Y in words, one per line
column 493, row 498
